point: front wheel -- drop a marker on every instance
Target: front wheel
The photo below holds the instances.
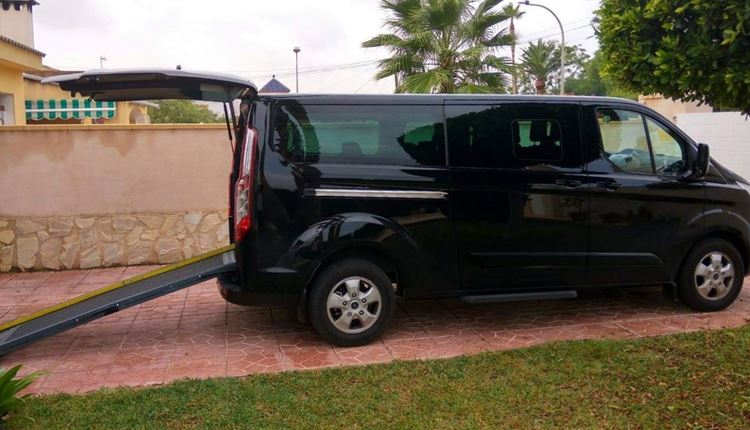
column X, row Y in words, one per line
column 712, row 276
column 351, row 302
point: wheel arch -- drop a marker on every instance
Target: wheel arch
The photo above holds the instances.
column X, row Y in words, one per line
column 371, row 237
column 734, row 237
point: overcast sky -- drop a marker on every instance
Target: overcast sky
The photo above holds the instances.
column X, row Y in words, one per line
column 253, row 38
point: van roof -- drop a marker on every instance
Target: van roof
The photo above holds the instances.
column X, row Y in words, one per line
column 433, row 98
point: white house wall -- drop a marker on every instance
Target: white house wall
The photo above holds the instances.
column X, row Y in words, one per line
column 726, row 133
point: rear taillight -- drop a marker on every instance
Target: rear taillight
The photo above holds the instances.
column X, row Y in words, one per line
column 243, row 188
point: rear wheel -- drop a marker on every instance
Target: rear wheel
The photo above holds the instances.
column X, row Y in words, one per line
column 712, row 276
column 351, row 302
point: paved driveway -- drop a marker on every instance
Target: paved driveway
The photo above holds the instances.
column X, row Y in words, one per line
column 195, row 334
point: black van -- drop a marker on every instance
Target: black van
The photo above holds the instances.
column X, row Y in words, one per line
column 341, row 203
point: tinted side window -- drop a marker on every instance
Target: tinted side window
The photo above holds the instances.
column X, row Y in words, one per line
column 476, row 136
column 538, row 136
column 537, row 139
column 360, row 134
column 624, row 140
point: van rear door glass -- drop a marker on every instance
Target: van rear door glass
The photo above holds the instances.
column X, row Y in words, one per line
column 360, row 134
column 533, row 136
column 537, row 139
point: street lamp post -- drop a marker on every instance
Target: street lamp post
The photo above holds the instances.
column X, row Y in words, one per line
column 562, row 49
column 296, row 67
column 102, row 59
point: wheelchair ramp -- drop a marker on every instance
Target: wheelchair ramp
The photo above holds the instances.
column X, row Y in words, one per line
column 115, row 297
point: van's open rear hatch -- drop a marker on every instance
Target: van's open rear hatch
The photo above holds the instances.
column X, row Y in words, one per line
column 157, row 84
column 154, row 84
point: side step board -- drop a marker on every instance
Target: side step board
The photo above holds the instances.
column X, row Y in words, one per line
column 517, row 297
column 115, row 297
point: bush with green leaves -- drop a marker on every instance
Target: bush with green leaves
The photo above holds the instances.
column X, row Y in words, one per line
column 692, row 50
column 10, row 386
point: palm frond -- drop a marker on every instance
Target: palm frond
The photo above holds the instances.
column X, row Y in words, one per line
column 475, row 89
column 444, row 45
column 427, row 82
column 388, row 40
column 501, row 38
column 538, row 59
column 500, row 63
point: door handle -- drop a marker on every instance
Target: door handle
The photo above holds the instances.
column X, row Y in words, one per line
column 609, row 186
column 569, row 183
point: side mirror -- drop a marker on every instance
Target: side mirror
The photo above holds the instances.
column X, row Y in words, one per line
column 700, row 167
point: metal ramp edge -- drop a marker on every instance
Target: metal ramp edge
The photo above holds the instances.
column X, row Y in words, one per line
column 115, row 297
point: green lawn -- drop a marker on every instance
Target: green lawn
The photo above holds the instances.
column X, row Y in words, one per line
column 694, row 381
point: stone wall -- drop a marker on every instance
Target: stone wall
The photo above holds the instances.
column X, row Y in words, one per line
column 149, row 194
column 73, row 242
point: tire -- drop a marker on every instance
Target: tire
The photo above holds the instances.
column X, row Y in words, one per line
column 717, row 267
column 346, row 322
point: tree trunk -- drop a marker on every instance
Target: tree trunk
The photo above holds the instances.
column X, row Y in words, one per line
column 514, row 75
column 540, row 85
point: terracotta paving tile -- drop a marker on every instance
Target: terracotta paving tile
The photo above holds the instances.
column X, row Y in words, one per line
column 74, row 382
column 145, row 376
column 88, row 358
column 147, row 323
column 453, row 346
column 131, row 271
column 161, row 312
column 176, row 298
column 581, row 332
column 241, row 363
column 232, row 308
column 447, row 326
column 141, row 358
column 109, row 275
column 246, row 334
column 376, row 352
column 742, row 305
column 27, row 279
column 35, row 386
column 66, row 277
column 410, row 349
column 5, row 277
column 193, row 333
column 16, row 294
column 4, row 310
column 309, row 357
column 208, row 322
column 406, row 328
column 102, row 330
column 205, row 307
column 503, row 340
column 210, row 339
column 683, row 324
column 32, row 363
column 197, row 361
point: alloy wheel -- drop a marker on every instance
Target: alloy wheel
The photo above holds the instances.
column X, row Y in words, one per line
column 714, row 275
column 353, row 305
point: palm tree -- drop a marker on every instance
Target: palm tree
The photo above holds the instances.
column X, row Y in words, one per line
column 538, row 61
column 444, row 46
column 513, row 12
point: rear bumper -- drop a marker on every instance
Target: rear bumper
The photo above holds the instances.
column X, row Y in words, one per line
column 231, row 291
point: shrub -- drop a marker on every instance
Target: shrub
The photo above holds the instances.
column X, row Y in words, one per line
column 10, row 386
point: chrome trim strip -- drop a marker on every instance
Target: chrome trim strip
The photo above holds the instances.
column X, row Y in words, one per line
column 386, row 194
